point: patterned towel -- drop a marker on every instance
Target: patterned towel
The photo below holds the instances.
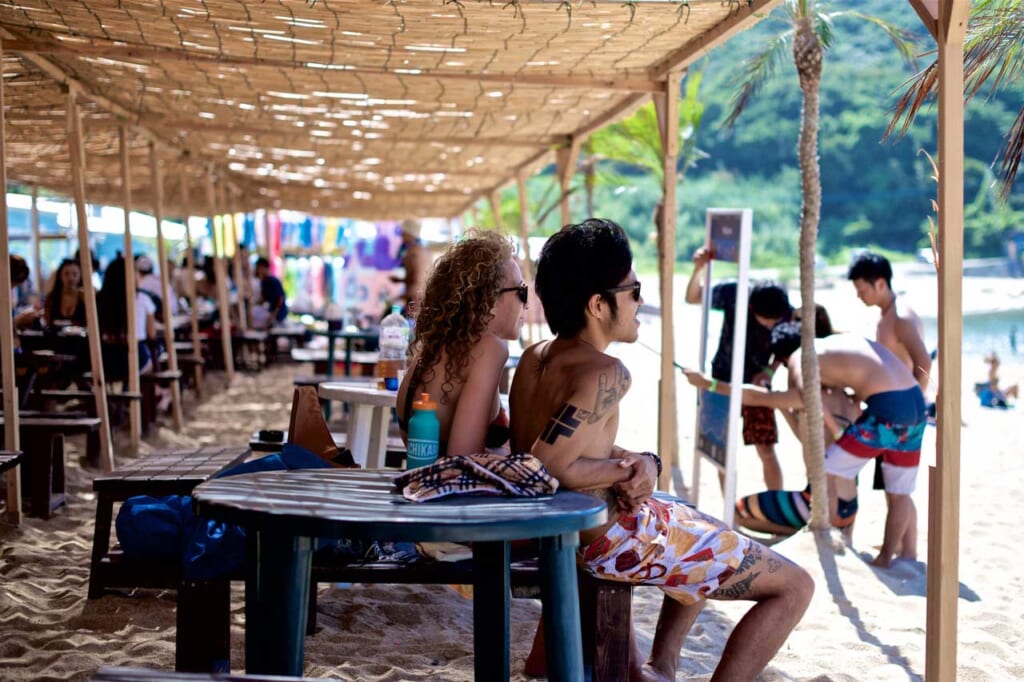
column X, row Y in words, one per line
column 518, row 475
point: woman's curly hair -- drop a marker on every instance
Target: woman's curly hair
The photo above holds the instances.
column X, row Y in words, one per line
column 456, row 308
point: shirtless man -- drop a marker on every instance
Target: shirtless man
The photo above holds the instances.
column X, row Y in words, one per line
column 892, row 424
column 899, row 328
column 565, row 410
column 416, row 262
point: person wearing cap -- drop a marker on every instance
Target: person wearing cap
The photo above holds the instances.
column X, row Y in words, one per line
column 416, row 262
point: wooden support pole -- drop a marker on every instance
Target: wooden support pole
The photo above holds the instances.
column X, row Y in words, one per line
column 190, row 286
column 11, row 424
column 220, row 272
column 494, row 200
column 228, row 232
column 268, row 254
column 37, row 254
column 135, row 409
column 565, row 165
column 156, row 178
column 668, row 426
column 475, row 215
column 944, row 504
column 524, row 244
column 76, row 152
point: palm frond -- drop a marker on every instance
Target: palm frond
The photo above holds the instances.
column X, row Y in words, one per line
column 902, row 39
column 916, row 93
column 756, row 72
column 1011, row 153
column 824, row 28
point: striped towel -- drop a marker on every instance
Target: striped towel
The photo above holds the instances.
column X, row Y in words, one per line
column 518, row 475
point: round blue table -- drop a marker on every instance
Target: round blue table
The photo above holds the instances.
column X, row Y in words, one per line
column 283, row 511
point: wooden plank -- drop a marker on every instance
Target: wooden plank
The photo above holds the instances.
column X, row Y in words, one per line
column 928, row 11
column 668, row 427
column 944, row 546
column 230, row 229
column 10, row 399
column 156, row 178
column 220, row 272
column 135, row 409
column 76, row 150
column 524, row 245
column 37, row 256
column 190, row 287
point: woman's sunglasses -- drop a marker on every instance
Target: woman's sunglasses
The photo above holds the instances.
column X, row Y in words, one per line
column 634, row 288
column 522, row 291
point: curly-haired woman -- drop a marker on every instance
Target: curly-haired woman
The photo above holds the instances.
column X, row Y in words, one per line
column 473, row 303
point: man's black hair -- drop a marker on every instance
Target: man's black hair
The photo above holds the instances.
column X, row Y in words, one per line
column 785, row 340
column 576, row 263
column 770, row 300
column 261, row 261
column 870, row 267
column 18, row 269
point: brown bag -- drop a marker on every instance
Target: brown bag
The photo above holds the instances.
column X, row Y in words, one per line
column 308, row 428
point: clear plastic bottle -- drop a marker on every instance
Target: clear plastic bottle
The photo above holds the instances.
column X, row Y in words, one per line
column 394, row 345
column 424, row 433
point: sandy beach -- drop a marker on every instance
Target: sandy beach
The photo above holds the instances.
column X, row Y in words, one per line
column 863, row 624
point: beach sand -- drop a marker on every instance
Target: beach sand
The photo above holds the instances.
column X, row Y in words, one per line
column 863, row 624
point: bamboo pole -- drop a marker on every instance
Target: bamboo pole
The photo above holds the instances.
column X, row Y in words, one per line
column 156, row 178
column 37, row 254
column 220, row 272
column 944, row 498
column 565, row 165
column 228, row 228
column 524, row 244
column 668, row 428
column 77, row 153
column 190, row 287
column 493, row 200
column 266, row 235
column 11, row 423
column 135, row 410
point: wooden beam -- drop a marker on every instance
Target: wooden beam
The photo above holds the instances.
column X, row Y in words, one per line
column 115, row 51
column 220, row 272
column 928, row 11
column 524, row 244
column 99, row 390
column 37, row 256
column 135, row 409
column 494, row 200
column 668, row 427
column 565, row 167
column 12, row 425
column 231, row 230
column 156, row 178
column 523, row 167
column 743, row 16
column 190, row 287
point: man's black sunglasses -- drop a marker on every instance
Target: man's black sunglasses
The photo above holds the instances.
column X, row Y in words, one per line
column 522, row 291
column 634, row 288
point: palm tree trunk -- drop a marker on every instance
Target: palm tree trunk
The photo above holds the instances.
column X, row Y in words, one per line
column 807, row 56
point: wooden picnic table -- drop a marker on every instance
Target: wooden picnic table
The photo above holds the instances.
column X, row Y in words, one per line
column 282, row 511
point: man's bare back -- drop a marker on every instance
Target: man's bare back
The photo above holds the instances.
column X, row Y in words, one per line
column 867, row 367
column 548, row 375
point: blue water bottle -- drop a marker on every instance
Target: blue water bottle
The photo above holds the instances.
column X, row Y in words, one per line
column 424, row 433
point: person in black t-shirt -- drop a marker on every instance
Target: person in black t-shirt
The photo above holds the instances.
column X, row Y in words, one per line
column 768, row 304
column 271, row 291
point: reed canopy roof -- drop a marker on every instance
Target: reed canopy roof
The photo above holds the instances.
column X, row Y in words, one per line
column 376, row 109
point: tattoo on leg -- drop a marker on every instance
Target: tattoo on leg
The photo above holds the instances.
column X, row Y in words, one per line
column 741, row 588
column 564, row 423
column 774, row 564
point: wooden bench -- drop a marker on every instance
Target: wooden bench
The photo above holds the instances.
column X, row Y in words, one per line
column 118, row 400
column 250, row 349
column 149, row 381
column 202, row 639
column 174, row 472
column 10, row 459
column 147, row 675
column 42, row 473
column 191, row 366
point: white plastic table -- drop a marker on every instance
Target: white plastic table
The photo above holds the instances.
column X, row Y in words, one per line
column 368, row 418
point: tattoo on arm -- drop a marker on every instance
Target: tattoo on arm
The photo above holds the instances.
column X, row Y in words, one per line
column 565, row 422
column 610, row 390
